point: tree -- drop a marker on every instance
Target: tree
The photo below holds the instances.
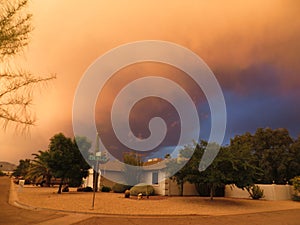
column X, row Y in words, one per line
column 218, row 174
column 16, row 85
column 293, row 160
column 273, row 151
column 22, row 169
column 66, row 161
column 39, row 169
column 229, row 167
column 245, row 172
column 271, row 148
column 181, row 176
column 133, row 168
column 81, row 151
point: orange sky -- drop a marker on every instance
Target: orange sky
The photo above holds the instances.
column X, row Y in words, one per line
column 70, row 35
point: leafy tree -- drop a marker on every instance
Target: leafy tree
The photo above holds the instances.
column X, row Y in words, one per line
column 229, row 167
column 273, row 151
column 271, row 148
column 39, row 169
column 81, row 150
column 245, row 170
column 16, row 85
column 181, row 176
column 22, row 169
column 293, row 160
column 133, row 168
column 66, row 161
column 219, row 173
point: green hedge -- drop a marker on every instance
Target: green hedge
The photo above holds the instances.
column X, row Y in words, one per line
column 142, row 188
column 105, row 189
column 120, row 188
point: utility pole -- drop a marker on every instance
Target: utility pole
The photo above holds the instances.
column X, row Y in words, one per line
column 97, row 153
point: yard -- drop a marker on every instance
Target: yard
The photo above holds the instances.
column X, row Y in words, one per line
column 113, row 203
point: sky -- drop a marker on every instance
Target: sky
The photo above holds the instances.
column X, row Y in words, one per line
column 252, row 47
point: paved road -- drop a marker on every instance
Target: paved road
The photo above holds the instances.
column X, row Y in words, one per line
column 291, row 217
column 10, row 215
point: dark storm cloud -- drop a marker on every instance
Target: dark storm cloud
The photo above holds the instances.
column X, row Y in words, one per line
column 257, row 99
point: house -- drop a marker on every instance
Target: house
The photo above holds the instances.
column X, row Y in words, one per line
column 7, row 168
column 153, row 172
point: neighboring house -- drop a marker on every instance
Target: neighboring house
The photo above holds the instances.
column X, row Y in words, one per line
column 7, row 168
column 154, row 173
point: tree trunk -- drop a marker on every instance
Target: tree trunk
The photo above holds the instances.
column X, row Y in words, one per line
column 212, row 192
column 60, row 186
column 181, row 188
column 48, row 180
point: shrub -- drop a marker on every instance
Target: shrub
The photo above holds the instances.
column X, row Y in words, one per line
column 296, row 184
column 2, row 174
column 127, row 194
column 296, row 198
column 105, row 189
column 120, row 188
column 255, row 192
column 88, row 189
column 85, row 189
column 145, row 189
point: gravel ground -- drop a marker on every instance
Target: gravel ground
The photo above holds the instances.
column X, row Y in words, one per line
column 112, row 203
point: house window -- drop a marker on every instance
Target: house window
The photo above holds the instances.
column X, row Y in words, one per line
column 155, row 178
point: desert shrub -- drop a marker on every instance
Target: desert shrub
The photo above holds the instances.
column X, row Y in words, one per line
column 145, row 189
column 2, row 174
column 255, row 192
column 296, row 198
column 105, row 189
column 120, row 188
column 127, row 194
column 88, row 189
column 296, row 184
column 85, row 189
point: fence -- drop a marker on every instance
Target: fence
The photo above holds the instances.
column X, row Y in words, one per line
column 271, row 192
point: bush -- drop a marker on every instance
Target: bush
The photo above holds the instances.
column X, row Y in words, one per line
column 145, row 189
column 296, row 198
column 120, row 188
column 105, row 189
column 296, row 184
column 127, row 194
column 255, row 192
column 2, row 174
column 86, row 189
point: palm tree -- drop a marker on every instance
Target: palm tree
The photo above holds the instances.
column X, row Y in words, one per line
column 39, row 169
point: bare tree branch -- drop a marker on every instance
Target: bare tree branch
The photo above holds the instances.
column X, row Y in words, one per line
column 16, row 87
